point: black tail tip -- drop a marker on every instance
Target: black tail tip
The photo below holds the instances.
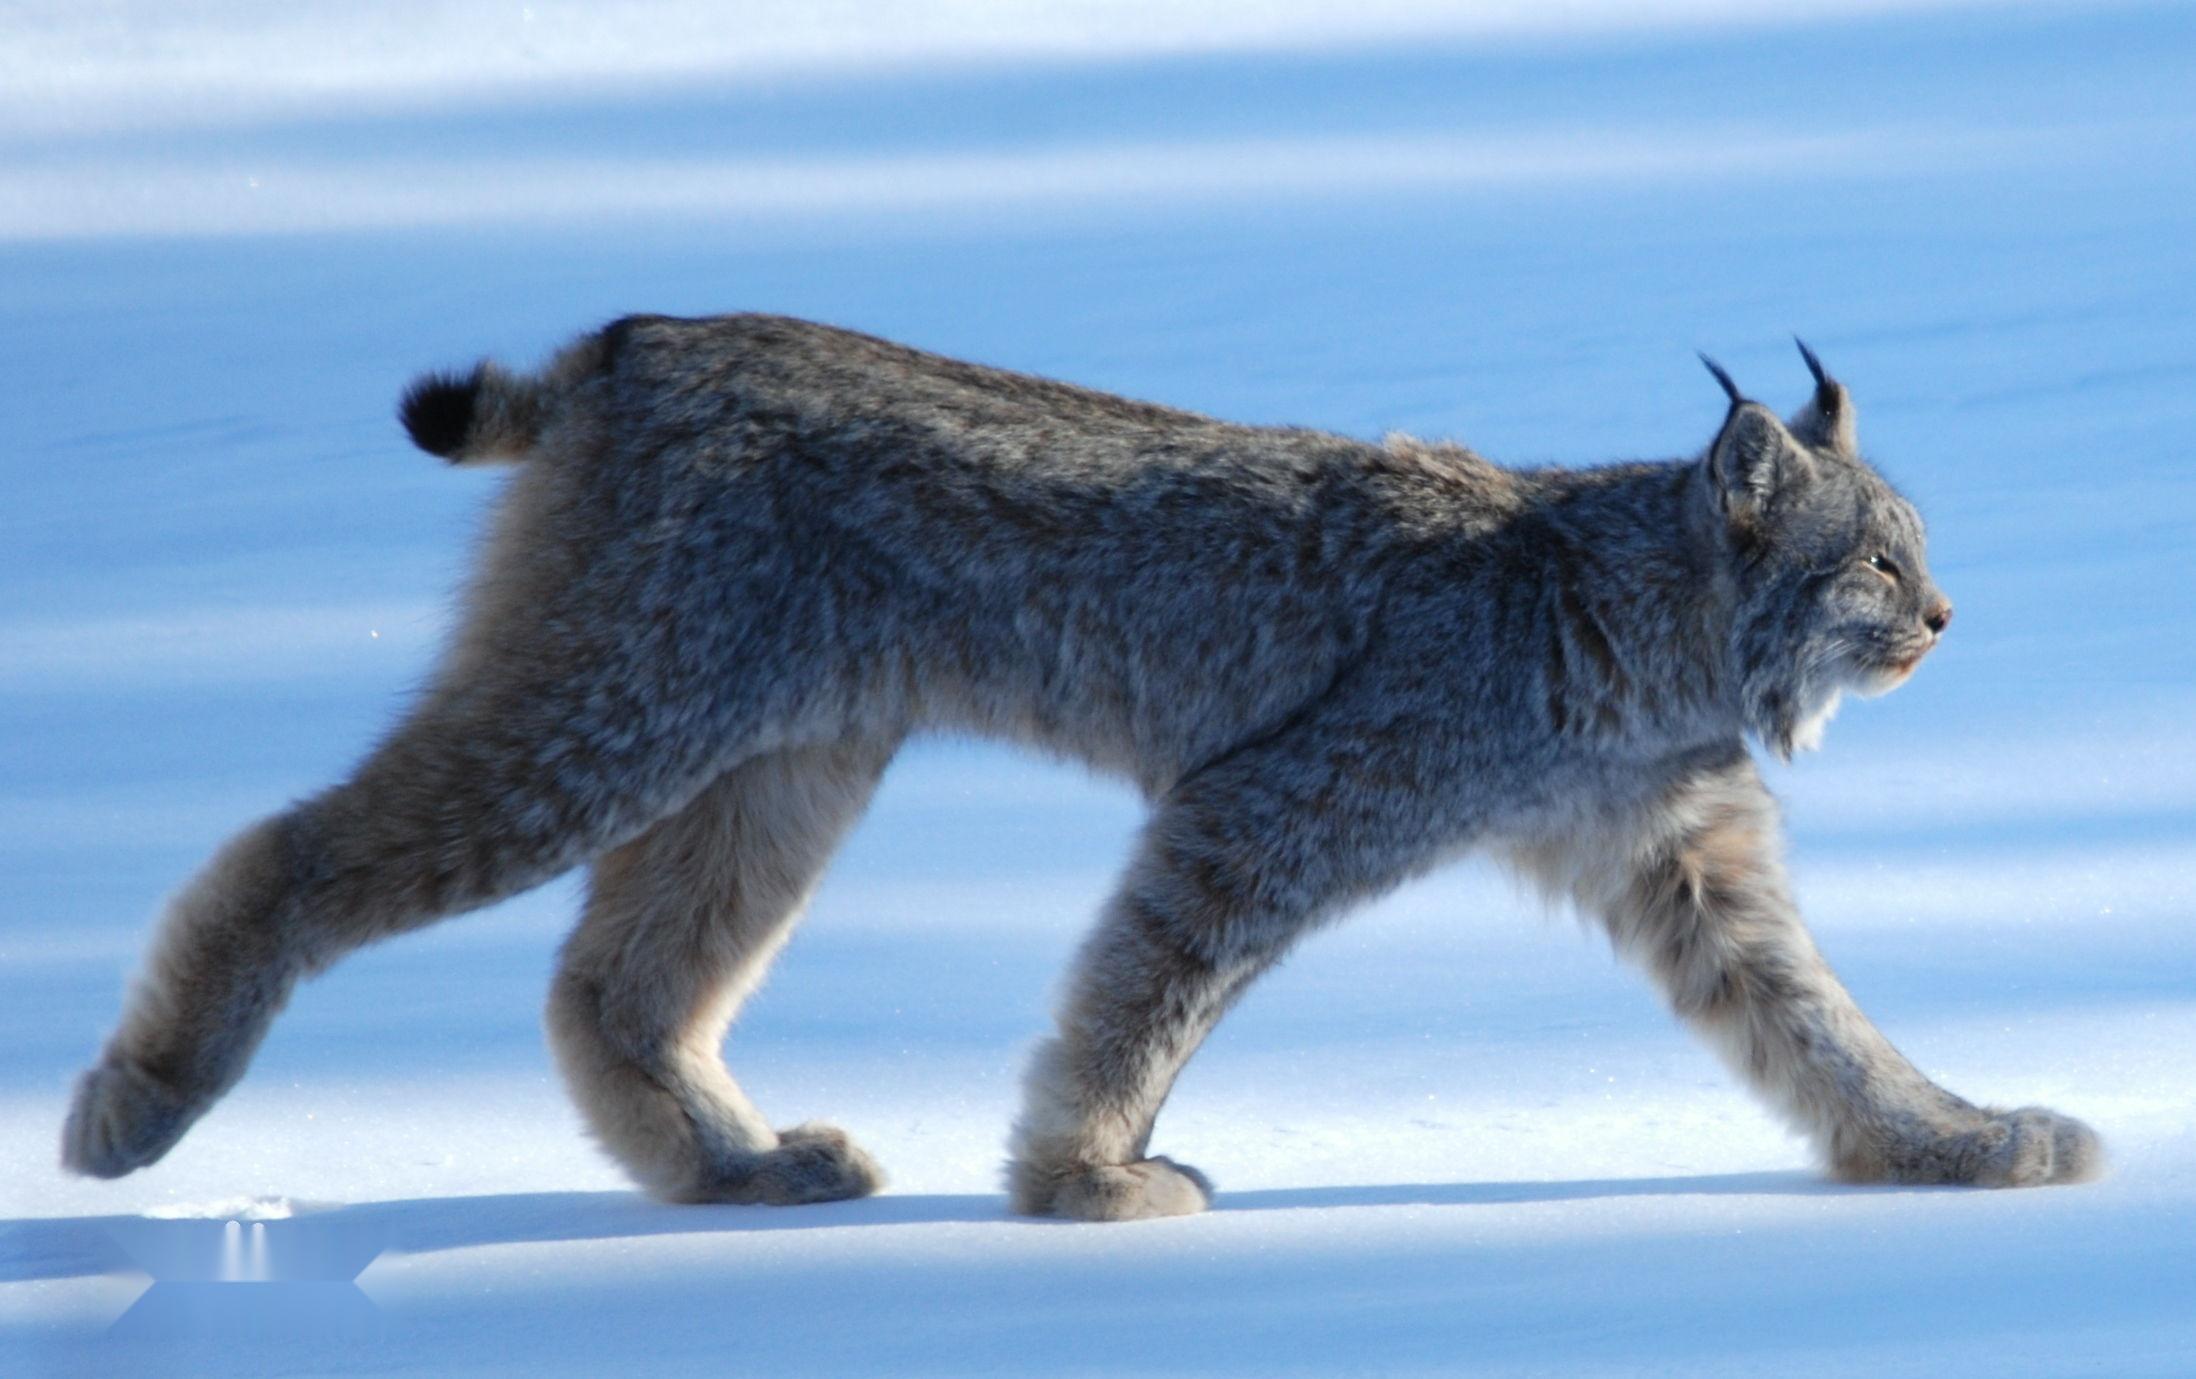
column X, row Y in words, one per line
column 437, row 411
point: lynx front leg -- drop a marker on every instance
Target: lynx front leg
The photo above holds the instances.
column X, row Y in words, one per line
column 680, row 926
column 1710, row 914
column 1144, row 994
column 1240, row 860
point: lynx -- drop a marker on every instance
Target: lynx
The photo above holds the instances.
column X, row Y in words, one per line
column 744, row 558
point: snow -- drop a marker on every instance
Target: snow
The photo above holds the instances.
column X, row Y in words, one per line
column 1452, row 1133
column 74, row 66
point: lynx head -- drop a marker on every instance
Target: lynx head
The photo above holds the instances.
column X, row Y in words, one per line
column 1831, row 582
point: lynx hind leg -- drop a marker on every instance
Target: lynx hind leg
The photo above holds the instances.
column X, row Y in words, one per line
column 680, row 925
column 403, row 843
column 502, row 778
column 1710, row 914
column 457, row 810
column 221, row 966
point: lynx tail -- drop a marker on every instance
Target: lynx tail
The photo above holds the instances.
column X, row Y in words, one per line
column 484, row 416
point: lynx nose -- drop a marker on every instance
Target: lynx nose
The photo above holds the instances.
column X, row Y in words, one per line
column 1939, row 617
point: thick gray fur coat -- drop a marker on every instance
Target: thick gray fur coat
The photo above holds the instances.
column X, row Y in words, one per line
column 744, row 558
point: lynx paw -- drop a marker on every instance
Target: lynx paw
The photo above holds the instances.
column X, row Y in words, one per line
column 1112, row 1192
column 2028, row 1147
column 812, row 1163
column 2032, row 1146
column 121, row 1120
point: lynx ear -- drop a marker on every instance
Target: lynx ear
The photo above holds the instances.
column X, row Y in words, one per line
column 1752, row 458
column 1826, row 422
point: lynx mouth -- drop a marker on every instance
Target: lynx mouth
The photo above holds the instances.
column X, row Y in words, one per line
column 1890, row 674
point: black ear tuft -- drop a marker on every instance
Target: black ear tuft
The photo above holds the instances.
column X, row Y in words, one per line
column 1730, row 389
column 437, row 411
column 1826, row 422
column 1814, row 365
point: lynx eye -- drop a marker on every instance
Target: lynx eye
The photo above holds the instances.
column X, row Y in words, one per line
column 1883, row 565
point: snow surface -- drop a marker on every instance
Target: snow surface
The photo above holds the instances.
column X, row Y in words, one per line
column 1451, row 1135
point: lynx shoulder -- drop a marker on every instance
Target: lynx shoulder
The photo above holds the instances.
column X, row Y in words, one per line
column 742, row 560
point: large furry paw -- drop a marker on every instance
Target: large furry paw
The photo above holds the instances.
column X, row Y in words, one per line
column 1112, row 1192
column 812, row 1163
column 122, row 1119
column 2028, row 1147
